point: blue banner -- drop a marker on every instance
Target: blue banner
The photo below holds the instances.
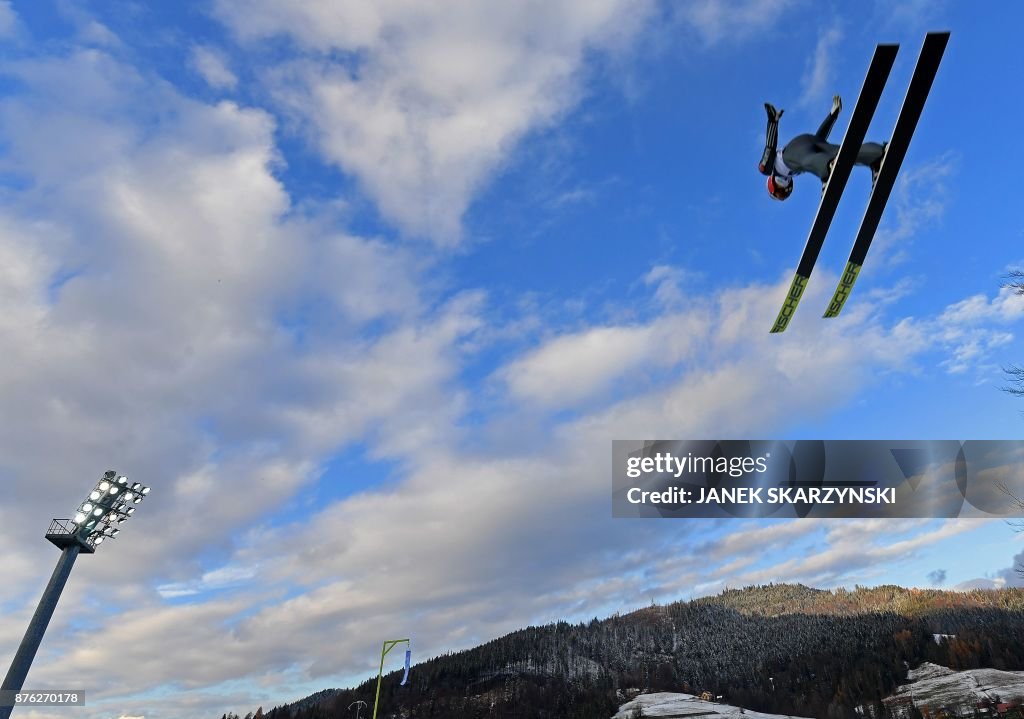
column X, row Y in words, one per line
column 408, row 656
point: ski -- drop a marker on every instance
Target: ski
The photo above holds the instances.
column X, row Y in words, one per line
column 920, row 85
column 878, row 72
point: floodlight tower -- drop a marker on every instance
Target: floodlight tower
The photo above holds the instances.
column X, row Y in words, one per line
column 111, row 502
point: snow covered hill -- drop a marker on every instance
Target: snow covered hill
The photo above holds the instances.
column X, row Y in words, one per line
column 669, row 705
column 935, row 686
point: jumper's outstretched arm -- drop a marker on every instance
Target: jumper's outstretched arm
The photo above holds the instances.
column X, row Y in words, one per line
column 771, row 139
column 828, row 122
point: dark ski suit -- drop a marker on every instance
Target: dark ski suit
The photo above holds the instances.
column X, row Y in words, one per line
column 810, row 153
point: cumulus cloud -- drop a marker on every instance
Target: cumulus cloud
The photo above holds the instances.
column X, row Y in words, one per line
column 426, row 100
column 423, row 103
column 142, row 329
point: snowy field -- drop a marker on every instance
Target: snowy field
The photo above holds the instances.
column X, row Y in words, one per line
column 931, row 685
column 936, row 686
column 669, row 705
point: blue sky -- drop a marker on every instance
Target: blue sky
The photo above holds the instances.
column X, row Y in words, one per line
column 364, row 291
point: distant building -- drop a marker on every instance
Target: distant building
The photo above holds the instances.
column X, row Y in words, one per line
column 707, row 696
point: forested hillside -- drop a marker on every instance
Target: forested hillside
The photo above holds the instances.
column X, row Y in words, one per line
column 776, row 648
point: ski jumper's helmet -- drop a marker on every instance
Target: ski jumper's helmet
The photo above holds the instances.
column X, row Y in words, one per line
column 779, row 187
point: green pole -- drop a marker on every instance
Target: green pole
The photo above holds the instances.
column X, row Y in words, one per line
column 388, row 646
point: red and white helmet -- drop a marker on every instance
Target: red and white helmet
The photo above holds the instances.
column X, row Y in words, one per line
column 779, row 187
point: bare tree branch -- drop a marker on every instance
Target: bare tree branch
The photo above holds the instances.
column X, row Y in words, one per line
column 1016, row 377
column 1016, row 281
column 1017, row 526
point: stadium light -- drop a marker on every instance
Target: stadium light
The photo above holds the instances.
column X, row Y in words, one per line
column 92, row 524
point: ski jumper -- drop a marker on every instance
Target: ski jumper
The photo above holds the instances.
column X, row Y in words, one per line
column 808, row 153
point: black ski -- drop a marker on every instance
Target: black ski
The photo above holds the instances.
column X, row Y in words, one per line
column 863, row 111
column 920, row 85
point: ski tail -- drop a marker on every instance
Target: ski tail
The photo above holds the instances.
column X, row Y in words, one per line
column 796, row 291
column 844, row 289
column 913, row 104
column 870, row 93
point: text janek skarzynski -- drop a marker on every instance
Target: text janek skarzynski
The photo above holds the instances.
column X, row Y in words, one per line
column 761, row 495
column 665, row 463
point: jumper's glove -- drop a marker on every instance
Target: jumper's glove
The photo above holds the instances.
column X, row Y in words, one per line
column 837, row 104
column 773, row 114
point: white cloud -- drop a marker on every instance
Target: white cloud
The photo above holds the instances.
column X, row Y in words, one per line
column 573, row 367
column 972, row 328
column 818, row 74
column 1008, row 305
column 221, row 578
column 667, row 282
column 423, row 103
column 914, row 14
column 213, row 67
column 860, row 547
column 8, row 19
column 429, row 99
column 919, row 201
column 730, row 20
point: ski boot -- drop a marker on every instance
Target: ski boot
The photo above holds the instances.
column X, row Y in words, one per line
column 876, row 166
column 824, row 183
